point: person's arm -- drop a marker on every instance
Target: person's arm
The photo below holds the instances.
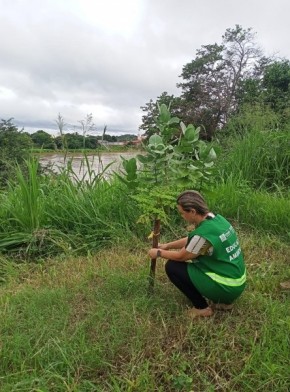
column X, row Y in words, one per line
column 176, row 255
column 195, row 247
column 178, row 244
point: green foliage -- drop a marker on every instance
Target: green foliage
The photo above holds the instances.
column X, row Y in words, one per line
column 156, row 204
column 211, row 82
column 174, row 159
column 221, row 79
column 256, row 153
column 152, row 111
column 45, row 215
column 75, row 141
column 14, row 149
column 43, row 139
column 255, row 117
column 86, row 324
column 26, row 201
column 260, row 210
column 269, row 88
column 276, row 86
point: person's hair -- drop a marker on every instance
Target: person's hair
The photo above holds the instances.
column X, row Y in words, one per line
column 192, row 199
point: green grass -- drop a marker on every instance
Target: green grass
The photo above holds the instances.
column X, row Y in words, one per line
column 78, row 317
column 259, row 158
column 257, row 209
column 87, row 324
column 44, row 216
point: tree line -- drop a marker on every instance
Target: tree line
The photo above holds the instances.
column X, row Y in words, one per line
column 74, row 140
column 12, row 138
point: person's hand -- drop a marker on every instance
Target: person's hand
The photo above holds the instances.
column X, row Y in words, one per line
column 153, row 253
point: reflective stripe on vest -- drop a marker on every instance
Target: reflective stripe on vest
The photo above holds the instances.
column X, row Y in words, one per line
column 227, row 281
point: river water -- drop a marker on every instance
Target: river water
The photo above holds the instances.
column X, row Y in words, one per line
column 96, row 163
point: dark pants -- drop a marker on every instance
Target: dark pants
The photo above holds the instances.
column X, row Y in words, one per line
column 178, row 275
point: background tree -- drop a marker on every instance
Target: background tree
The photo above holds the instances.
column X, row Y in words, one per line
column 42, row 139
column 213, row 82
column 250, row 88
column 109, row 138
column 268, row 92
column 276, row 86
column 126, row 137
column 151, row 109
column 15, row 147
column 92, row 142
column 74, row 141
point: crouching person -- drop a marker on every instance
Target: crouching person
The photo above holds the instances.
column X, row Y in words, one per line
column 207, row 265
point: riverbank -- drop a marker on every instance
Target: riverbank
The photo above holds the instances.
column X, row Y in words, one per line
column 87, row 324
column 111, row 149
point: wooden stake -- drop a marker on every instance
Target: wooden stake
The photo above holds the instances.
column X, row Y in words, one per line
column 155, row 241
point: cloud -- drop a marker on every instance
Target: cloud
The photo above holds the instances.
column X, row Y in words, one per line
column 109, row 58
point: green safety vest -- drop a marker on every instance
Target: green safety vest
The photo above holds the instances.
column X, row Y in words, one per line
column 226, row 263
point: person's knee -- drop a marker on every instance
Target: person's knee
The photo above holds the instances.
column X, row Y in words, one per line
column 169, row 267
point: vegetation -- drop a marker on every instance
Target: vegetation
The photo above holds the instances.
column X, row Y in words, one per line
column 75, row 311
column 173, row 157
column 74, row 141
column 221, row 80
column 79, row 318
column 87, row 324
column 14, row 149
column 65, row 140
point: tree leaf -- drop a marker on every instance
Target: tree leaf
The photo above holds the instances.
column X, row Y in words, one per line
column 209, row 164
column 144, row 158
column 164, row 113
column 211, row 155
column 173, row 120
column 130, row 165
column 154, row 140
column 183, row 127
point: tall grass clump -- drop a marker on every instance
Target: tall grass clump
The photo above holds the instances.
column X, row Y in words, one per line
column 46, row 214
column 26, row 202
column 21, row 214
column 256, row 153
column 95, row 215
column 256, row 209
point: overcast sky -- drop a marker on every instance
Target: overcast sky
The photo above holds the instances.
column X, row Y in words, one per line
column 109, row 57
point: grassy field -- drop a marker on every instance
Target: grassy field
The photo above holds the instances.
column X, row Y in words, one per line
column 74, row 305
column 88, row 324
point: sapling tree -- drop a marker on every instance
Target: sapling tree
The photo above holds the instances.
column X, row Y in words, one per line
column 175, row 159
